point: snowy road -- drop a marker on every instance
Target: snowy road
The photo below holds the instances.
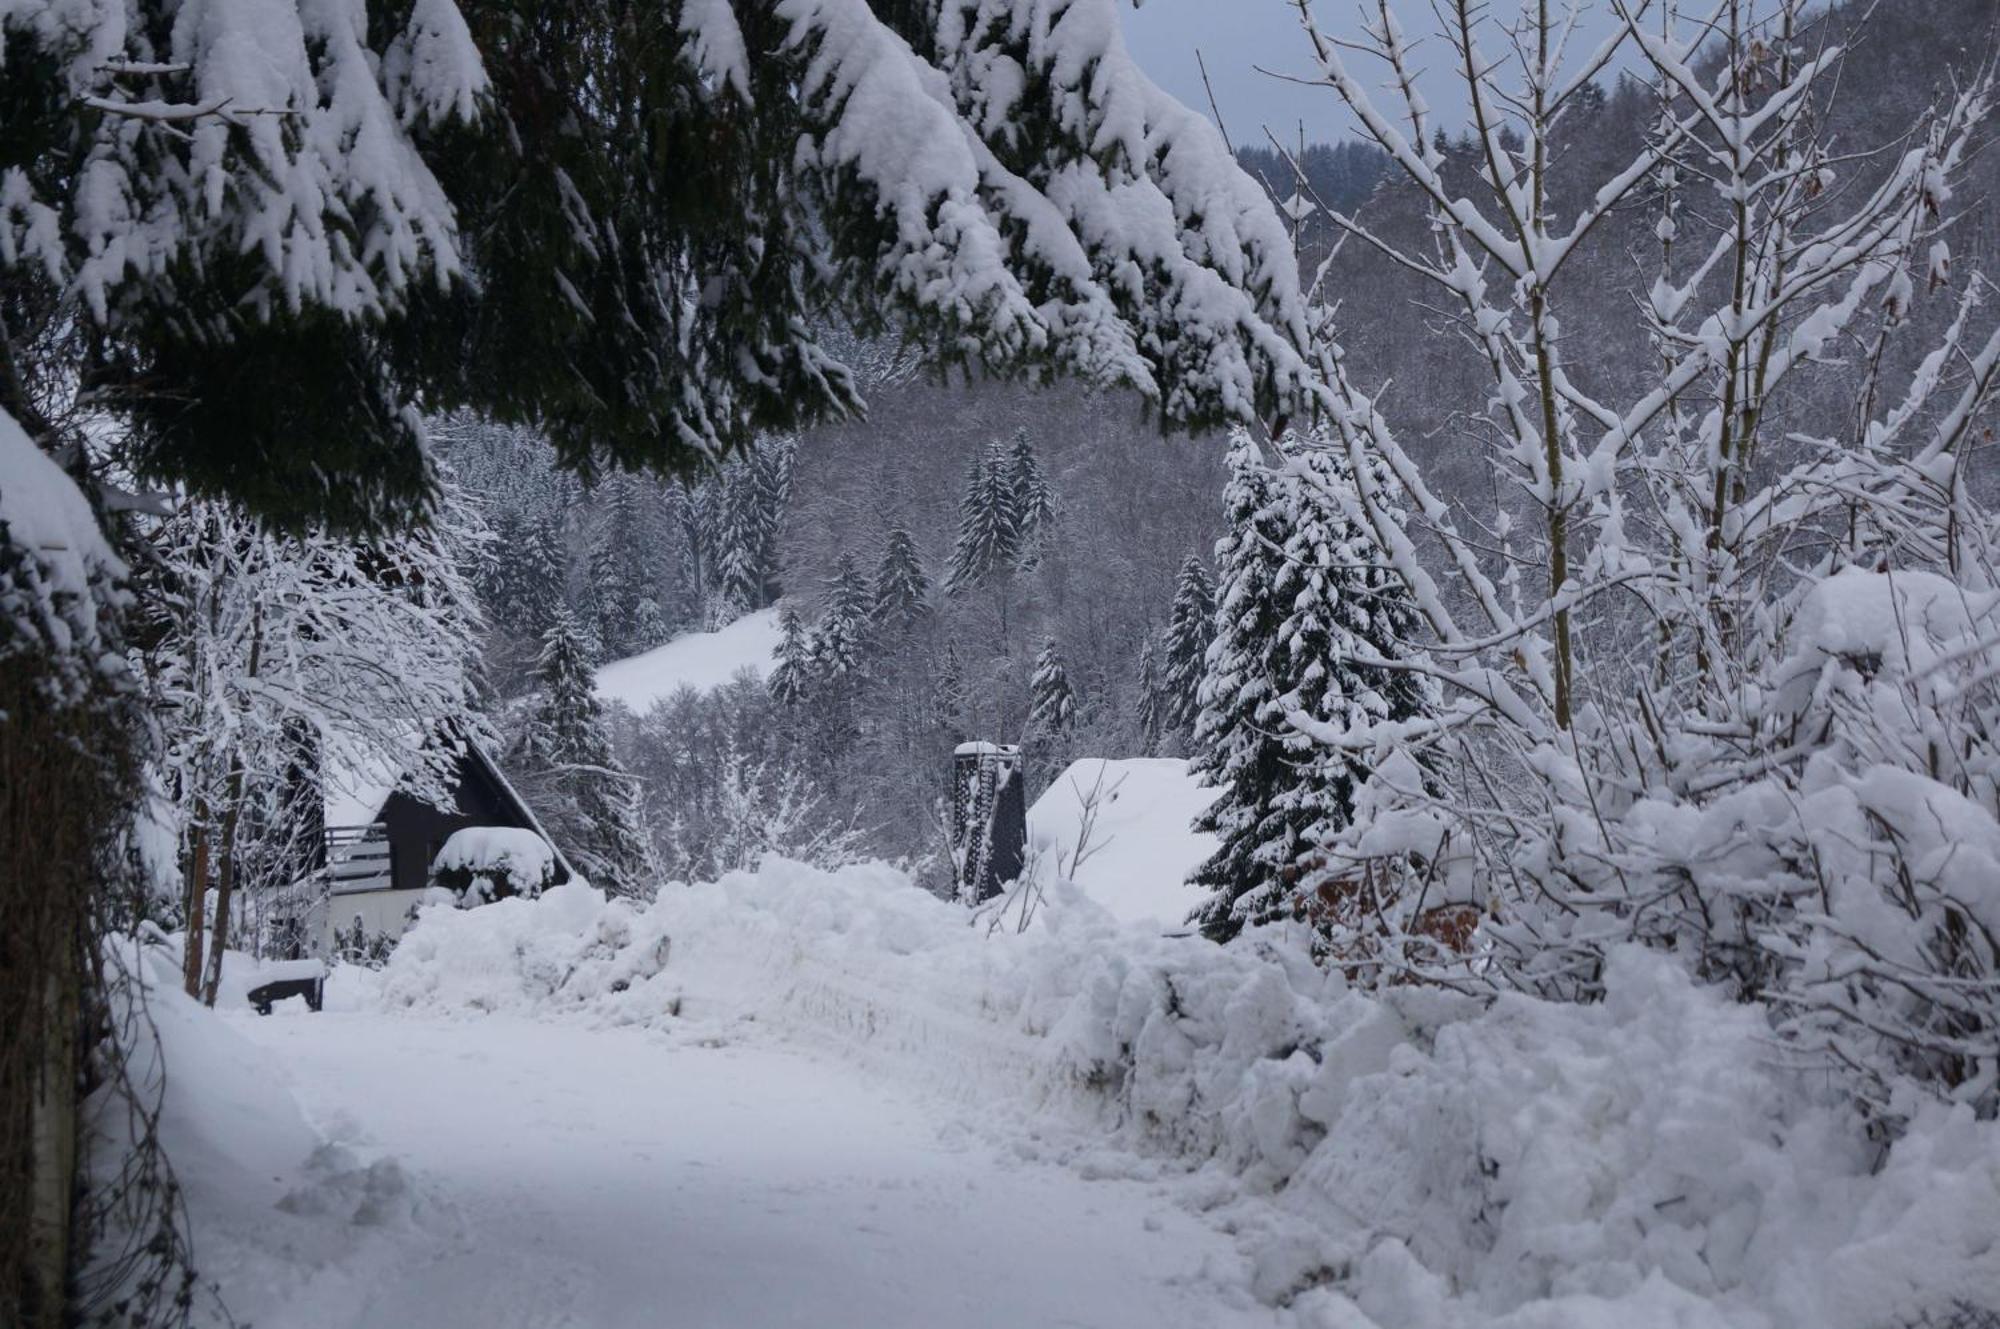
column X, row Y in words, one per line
column 605, row 1179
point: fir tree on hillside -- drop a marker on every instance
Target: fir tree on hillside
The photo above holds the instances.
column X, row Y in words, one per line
column 840, row 638
column 791, row 676
column 1149, row 696
column 1031, row 500
column 621, row 579
column 1303, row 601
column 586, row 800
column 988, row 540
column 1052, row 701
column 1051, row 713
column 902, row 588
column 521, row 586
column 756, row 491
column 1190, row 629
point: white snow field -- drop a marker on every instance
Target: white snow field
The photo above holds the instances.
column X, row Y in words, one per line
column 795, row 1097
column 1140, row 844
column 703, row 661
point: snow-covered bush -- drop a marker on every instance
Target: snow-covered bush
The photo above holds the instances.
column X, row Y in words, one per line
column 1742, row 710
column 482, row 863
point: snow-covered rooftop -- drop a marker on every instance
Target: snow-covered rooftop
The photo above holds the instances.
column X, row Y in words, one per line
column 1142, row 845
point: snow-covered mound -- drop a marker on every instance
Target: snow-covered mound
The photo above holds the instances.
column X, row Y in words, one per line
column 1138, row 845
column 295, row 1220
column 1414, row 1160
column 703, row 661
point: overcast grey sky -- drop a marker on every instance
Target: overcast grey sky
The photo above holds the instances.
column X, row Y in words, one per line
column 1234, row 35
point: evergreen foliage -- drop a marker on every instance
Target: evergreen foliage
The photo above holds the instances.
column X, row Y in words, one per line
column 791, row 675
column 988, row 539
column 902, row 588
column 1052, row 715
column 1148, row 717
column 840, row 638
column 588, row 802
column 1304, row 602
column 620, row 564
column 1031, row 503
column 1190, row 629
column 755, row 493
column 521, row 587
column 1052, row 707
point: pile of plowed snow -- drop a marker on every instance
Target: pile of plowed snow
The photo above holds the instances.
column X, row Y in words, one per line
column 1415, row 1160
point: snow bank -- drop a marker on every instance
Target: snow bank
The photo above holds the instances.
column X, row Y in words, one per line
column 1418, row 1160
column 1140, row 844
column 285, row 1216
column 703, row 661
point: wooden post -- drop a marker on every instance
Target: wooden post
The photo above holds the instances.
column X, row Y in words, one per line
column 989, row 820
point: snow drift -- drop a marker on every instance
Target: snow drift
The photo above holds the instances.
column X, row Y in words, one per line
column 1411, row 1160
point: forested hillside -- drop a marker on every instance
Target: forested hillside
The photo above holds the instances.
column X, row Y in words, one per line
column 639, row 561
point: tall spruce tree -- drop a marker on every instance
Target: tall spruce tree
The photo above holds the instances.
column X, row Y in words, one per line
column 791, row 675
column 1304, row 602
column 902, row 588
column 755, row 492
column 988, row 540
column 621, row 576
column 840, row 638
column 1031, row 503
column 584, row 797
column 1190, row 629
column 1052, row 701
column 1147, row 704
column 1051, row 715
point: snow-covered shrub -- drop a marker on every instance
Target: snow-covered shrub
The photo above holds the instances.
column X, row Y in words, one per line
column 478, row 864
column 1713, row 673
column 1848, row 872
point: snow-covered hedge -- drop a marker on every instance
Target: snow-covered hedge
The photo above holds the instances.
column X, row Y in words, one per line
column 481, row 863
column 1421, row 1159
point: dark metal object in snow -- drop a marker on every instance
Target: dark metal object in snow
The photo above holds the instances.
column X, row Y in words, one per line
column 267, row 996
column 989, row 820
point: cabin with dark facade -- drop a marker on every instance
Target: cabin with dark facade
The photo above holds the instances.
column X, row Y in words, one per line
column 380, row 842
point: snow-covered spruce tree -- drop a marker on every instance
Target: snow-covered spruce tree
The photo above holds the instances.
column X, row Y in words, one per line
column 620, row 579
column 792, row 674
column 1190, row 629
column 569, row 773
column 1032, row 502
column 842, row 634
column 902, row 587
column 522, row 583
column 987, row 541
column 1743, row 715
column 1308, row 621
column 1148, row 700
column 1051, row 714
column 258, row 264
column 755, row 491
